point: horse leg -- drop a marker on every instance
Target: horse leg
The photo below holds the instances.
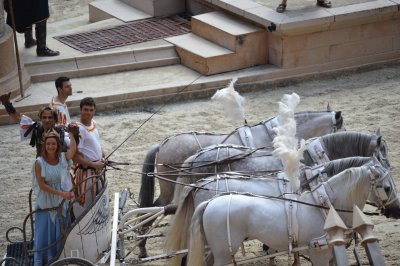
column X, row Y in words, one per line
column 166, row 192
column 271, row 260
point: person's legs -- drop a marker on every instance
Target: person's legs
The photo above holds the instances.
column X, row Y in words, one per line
column 29, row 41
column 41, row 33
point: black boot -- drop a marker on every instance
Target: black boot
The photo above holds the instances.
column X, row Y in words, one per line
column 42, row 49
column 29, row 41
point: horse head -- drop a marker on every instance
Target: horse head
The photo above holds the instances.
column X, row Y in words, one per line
column 384, row 192
column 339, row 122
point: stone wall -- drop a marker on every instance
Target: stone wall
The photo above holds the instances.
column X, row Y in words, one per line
column 362, row 42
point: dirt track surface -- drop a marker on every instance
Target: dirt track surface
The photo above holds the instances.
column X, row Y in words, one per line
column 368, row 100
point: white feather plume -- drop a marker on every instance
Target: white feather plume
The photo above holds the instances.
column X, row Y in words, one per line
column 285, row 143
column 231, row 101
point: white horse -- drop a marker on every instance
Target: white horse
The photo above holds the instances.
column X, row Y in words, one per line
column 166, row 158
column 226, row 221
column 274, row 185
column 224, row 158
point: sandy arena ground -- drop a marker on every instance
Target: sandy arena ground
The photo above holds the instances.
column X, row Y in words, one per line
column 368, row 100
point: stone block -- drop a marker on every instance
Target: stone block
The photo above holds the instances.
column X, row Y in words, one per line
column 361, row 48
column 275, row 41
column 51, row 66
column 158, row 8
column 378, row 29
column 101, row 10
column 97, row 14
column 102, row 60
column 240, row 6
column 314, row 56
column 396, row 43
column 275, row 57
column 222, row 29
column 252, row 49
column 332, row 37
column 154, row 54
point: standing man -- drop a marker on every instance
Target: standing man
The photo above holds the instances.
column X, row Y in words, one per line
column 90, row 156
column 64, row 90
column 27, row 13
column 56, row 115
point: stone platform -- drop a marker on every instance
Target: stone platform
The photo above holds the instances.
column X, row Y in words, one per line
column 306, row 40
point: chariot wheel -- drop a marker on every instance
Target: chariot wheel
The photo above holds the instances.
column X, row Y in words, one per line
column 72, row 261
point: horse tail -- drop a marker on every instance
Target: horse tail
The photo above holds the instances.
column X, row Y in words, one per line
column 197, row 238
column 146, row 194
column 177, row 234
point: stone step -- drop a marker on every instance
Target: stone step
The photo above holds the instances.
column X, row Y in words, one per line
column 221, row 43
column 158, row 8
column 202, row 55
column 225, row 30
column 101, row 10
column 134, row 89
column 161, row 54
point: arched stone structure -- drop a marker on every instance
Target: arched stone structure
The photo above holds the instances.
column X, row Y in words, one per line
column 9, row 80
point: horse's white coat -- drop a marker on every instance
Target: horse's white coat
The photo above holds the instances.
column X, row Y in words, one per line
column 265, row 219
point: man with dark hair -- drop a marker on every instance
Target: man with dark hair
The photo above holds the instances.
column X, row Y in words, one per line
column 26, row 13
column 64, row 90
column 34, row 131
column 55, row 115
column 90, row 155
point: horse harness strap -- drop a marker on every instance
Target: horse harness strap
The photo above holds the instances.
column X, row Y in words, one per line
column 293, row 225
column 228, row 228
column 291, row 212
column 246, row 136
column 323, row 195
column 317, row 152
column 197, row 140
column 270, row 125
column 314, row 176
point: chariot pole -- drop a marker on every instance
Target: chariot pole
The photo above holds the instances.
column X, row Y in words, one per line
column 21, row 87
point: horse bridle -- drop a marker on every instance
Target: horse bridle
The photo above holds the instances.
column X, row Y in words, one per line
column 379, row 155
column 380, row 193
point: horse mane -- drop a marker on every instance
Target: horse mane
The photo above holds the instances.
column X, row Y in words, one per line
column 336, row 166
column 340, row 142
column 349, row 180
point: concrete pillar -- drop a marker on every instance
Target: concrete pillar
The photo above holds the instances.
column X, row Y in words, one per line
column 8, row 67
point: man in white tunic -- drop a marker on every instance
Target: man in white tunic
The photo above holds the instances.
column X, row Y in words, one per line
column 90, row 156
column 64, row 90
